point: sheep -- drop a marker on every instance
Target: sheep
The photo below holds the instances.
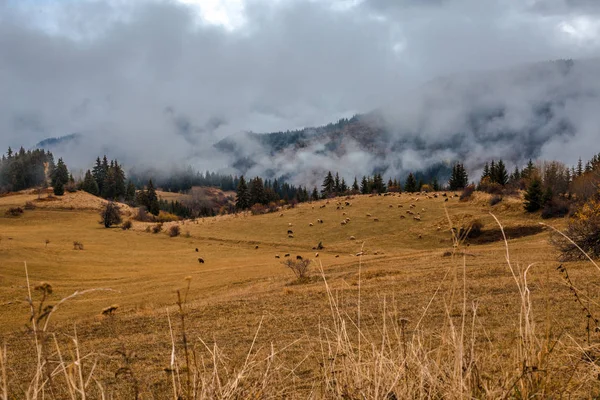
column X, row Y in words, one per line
column 446, row 199
column 337, row 256
column 277, row 256
column 420, row 236
column 402, row 217
column 287, row 255
column 412, row 206
column 391, row 206
column 256, row 247
column 298, row 257
column 360, row 253
column 347, row 219
column 348, row 203
column 281, row 215
column 320, row 221
column 343, row 213
column 343, row 222
column 316, row 255
column 323, row 206
column 310, row 224
column 196, row 249
column 290, row 236
column 290, row 232
column 375, row 219
column 417, row 218
column 368, row 215
column 110, row 310
column 422, row 210
column 201, row 260
column 289, row 224
column 400, row 206
column 352, row 238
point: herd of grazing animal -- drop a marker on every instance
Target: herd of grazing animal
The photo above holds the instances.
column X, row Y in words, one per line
column 340, row 206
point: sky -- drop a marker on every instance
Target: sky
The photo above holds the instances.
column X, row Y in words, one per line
column 170, row 78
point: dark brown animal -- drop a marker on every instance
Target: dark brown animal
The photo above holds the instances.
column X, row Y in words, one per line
column 298, row 257
column 201, row 260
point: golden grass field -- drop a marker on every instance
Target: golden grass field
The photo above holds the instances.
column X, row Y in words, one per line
column 402, row 320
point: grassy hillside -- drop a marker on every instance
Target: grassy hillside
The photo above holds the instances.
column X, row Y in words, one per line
column 454, row 312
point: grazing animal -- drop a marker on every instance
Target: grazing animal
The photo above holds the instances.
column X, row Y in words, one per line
column 343, row 213
column 290, row 232
column 256, row 247
column 360, row 253
column 420, row 237
column 298, row 257
column 375, row 219
column 417, row 218
column 320, row 246
column 368, row 215
column 277, row 256
column 343, row 222
column 196, row 249
column 446, row 199
column 402, row 217
column 287, row 255
column 352, row 238
column 289, row 224
column 281, row 215
column 320, row 221
column 337, row 256
column 291, row 236
column 400, row 206
column 347, row 203
column 201, row 260
column 110, row 310
column 391, row 206
column 311, row 224
column 316, row 255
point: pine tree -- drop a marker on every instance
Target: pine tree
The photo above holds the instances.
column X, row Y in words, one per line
column 579, row 167
column 411, row 184
column 60, row 177
column 364, row 185
column 152, row 199
column 89, row 184
column 130, row 192
column 315, row 194
column 257, row 191
column 500, row 176
column 486, row 171
column 459, row 178
column 355, row 187
column 120, row 188
column 343, row 186
column 328, row 185
column 337, row 188
column 242, row 200
column 533, row 196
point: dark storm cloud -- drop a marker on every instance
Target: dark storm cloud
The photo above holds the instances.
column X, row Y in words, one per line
column 152, row 84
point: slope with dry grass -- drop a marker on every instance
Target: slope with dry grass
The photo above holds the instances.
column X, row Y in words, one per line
column 418, row 314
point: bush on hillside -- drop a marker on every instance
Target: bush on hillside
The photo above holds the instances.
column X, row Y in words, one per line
column 495, row 200
column 174, row 231
column 127, row 225
column 584, row 230
column 556, row 208
column 467, row 193
column 14, row 211
column 299, row 267
column 157, row 228
column 110, row 215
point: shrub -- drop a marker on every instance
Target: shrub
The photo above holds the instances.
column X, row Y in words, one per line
column 164, row 216
column 157, row 228
column 300, row 268
column 59, row 188
column 495, row 200
column 174, row 230
column 467, row 192
column 258, row 209
column 142, row 215
column 584, row 230
column 110, row 215
column 29, row 206
column 127, row 225
column 71, row 187
column 556, row 208
column 14, row 211
column 77, row 245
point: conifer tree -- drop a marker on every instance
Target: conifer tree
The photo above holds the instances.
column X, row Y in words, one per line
column 315, row 194
column 328, row 185
column 152, row 199
column 533, row 196
column 257, row 191
column 130, row 192
column 500, row 174
column 364, row 185
column 343, row 186
column 337, row 188
column 60, row 177
column 242, row 200
column 89, row 184
column 410, row 185
column 355, row 187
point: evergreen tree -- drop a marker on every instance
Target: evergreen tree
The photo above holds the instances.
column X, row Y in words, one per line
column 60, row 177
column 579, row 167
column 257, row 191
column 242, row 200
column 435, row 185
column 328, row 185
column 410, row 185
column 533, row 196
column 120, row 188
column 152, row 199
column 364, row 185
column 89, row 184
column 529, row 170
column 500, row 174
column 315, row 194
column 486, row 171
column 130, row 192
column 355, row 187
column 337, row 184
column 98, row 174
column 459, row 178
column 343, row 186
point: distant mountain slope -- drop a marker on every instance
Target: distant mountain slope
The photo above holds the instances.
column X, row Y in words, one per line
column 51, row 143
column 531, row 111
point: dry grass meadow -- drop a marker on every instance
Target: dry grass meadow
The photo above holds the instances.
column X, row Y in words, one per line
column 417, row 315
